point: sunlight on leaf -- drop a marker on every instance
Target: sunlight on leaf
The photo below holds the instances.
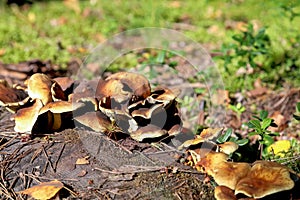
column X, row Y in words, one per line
column 45, row 190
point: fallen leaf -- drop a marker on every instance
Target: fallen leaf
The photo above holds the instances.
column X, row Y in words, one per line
column 279, row 120
column 221, row 97
column 83, row 161
column 45, row 190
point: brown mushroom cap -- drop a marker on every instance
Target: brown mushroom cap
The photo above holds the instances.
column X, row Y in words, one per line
column 149, row 131
column 228, row 147
column 265, row 178
column 229, row 173
column 162, row 95
column 138, row 84
column 64, row 82
column 94, row 120
column 205, row 135
column 12, row 98
column 113, row 89
column 225, row 173
column 146, row 113
column 39, row 87
column 212, row 160
column 57, row 92
column 61, row 107
column 210, row 133
column 224, row 193
column 26, row 117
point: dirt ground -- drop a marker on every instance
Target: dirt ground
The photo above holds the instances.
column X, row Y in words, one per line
column 112, row 172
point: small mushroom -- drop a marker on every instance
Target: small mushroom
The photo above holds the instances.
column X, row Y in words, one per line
column 210, row 133
column 224, row 193
column 112, row 89
column 162, row 95
column 147, row 132
column 94, row 120
column 136, row 83
column 64, row 82
column 228, row 147
column 146, row 113
column 57, row 92
column 12, row 98
column 39, row 87
column 56, row 109
column 265, row 178
column 205, row 136
column 25, row 118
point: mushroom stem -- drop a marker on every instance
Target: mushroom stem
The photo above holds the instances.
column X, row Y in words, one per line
column 56, row 121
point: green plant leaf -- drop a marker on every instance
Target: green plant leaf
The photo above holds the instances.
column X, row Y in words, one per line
column 242, row 142
column 298, row 107
column 252, row 133
column 254, row 123
column 267, row 140
column 266, row 123
column 161, row 57
column 223, row 138
column 263, row 114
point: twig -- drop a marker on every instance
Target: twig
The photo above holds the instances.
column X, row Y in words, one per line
column 178, row 196
column 146, row 157
column 48, row 160
column 59, row 155
column 6, row 143
column 119, row 145
column 144, row 169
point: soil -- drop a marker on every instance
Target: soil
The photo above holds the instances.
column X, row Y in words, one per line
column 112, row 172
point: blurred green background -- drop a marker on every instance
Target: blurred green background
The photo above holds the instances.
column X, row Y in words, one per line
column 62, row 30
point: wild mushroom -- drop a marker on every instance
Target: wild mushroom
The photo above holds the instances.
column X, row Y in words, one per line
column 136, row 83
column 25, row 118
column 55, row 110
column 224, row 193
column 228, row 147
column 265, row 178
column 39, row 87
column 12, row 98
column 229, row 173
column 147, row 132
column 205, row 135
column 224, row 173
column 123, row 87
column 94, row 120
column 162, row 95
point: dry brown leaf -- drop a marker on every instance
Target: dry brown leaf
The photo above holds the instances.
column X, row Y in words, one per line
column 83, row 161
column 45, row 190
column 221, row 97
column 279, row 120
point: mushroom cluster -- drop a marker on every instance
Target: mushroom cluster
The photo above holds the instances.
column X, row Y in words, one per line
column 41, row 106
column 127, row 100
column 236, row 179
column 123, row 102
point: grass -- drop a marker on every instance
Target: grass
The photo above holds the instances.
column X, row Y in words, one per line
column 51, row 30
